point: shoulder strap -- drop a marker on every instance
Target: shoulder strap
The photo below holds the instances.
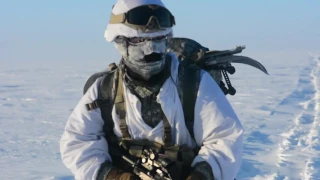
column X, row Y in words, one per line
column 95, row 76
column 120, row 105
column 189, row 80
column 105, row 101
column 92, row 79
column 107, row 94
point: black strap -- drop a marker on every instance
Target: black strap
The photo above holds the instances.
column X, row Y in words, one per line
column 189, row 80
column 106, row 95
column 167, row 136
column 96, row 103
column 93, row 78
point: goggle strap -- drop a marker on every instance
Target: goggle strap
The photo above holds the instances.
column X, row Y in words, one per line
column 116, row 19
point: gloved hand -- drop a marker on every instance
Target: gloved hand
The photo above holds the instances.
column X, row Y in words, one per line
column 179, row 170
column 196, row 175
column 116, row 174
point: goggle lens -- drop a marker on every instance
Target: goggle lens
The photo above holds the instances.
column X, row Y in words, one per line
column 141, row 16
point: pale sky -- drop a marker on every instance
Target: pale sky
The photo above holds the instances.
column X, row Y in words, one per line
column 73, row 30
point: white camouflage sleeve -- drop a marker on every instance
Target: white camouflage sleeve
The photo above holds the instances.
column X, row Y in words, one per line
column 217, row 131
column 83, row 146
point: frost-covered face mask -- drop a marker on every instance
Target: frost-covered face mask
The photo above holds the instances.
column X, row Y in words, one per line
column 143, row 56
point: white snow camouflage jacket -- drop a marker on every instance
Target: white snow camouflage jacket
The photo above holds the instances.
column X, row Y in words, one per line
column 217, row 130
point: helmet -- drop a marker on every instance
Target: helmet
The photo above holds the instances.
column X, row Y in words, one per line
column 126, row 21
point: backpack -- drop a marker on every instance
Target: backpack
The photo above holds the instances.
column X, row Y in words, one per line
column 193, row 58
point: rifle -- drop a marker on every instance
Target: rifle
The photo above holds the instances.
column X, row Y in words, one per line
column 150, row 165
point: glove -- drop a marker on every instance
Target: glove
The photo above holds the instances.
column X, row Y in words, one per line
column 116, row 174
column 196, row 175
column 179, row 170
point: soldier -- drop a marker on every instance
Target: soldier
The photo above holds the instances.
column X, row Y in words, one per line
column 145, row 110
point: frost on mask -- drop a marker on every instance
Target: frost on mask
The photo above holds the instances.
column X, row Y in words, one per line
column 145, row 58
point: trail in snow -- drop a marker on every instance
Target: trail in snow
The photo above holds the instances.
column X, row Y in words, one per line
column 312, row 141
column 256, row 102
column 298, row 154
column 281, row 120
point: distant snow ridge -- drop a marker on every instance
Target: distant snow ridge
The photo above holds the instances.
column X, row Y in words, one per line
column 299, row 150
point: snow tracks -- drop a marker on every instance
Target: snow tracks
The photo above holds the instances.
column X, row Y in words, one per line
column 298, row 154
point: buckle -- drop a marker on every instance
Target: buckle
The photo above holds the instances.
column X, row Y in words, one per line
column 93, row 105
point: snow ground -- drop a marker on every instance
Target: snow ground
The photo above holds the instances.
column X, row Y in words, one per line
column 280, row 113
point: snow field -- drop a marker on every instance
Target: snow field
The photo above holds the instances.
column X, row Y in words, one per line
column 280, row 114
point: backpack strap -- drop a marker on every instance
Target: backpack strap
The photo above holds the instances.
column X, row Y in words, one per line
column 167, row 136
column 95, row 76
column 96, row 103
column 120, row 105
column 189, row 80
column 109, row 72
column 92, row 79
column 106, row 96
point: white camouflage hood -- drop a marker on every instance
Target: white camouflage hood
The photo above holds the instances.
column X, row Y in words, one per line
column 122, row 6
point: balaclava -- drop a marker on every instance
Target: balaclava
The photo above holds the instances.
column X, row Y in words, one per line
column 145, row 58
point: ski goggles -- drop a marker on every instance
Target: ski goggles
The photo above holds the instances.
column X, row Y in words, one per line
column 144, row 18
